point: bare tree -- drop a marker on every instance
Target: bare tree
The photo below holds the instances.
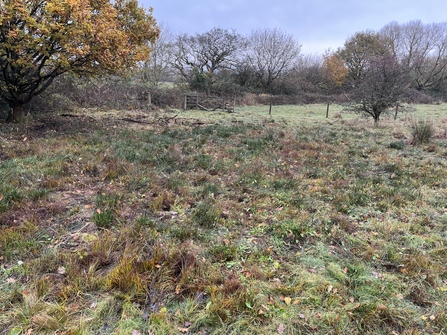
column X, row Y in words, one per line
column 158, row 68
column 306, row 74
column 200, row 57
column 423, row 48
column 271, row 54
column 382, row 85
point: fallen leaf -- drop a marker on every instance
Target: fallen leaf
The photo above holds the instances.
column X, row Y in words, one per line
column 182, row 330
column 287, row 300
column 10, row 280
column 381, row 307
column 302, row 316
column 61, row 270
column 357, row 305
column 281, row 328
column 135, row 332
column 432, row 317
column 351, row 299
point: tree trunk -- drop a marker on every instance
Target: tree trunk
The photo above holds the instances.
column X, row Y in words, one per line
column 327, row 110
column 395, row 113
column 16, row 113
column 376, row 120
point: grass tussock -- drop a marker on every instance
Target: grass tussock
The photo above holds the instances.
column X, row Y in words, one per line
column 421, row 132
column 223, row 224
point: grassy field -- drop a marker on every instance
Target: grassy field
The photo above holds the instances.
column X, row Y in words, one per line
column 215, row 223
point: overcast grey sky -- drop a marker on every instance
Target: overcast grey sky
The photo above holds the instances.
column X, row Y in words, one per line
column 316, row 24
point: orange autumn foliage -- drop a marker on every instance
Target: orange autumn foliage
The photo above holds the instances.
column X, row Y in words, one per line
column 41, row 39
column 335, row 70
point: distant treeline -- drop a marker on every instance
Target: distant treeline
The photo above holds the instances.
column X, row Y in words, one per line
column 266, row 66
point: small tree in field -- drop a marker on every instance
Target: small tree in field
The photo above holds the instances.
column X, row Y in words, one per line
column 42, row 39
column 381, row 86
column 335, row 75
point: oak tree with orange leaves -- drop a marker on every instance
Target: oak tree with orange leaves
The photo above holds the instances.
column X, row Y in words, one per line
column 335, row 71
column 43, row 39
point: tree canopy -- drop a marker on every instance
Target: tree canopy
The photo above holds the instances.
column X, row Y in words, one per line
column 360, row 48
column 423, row 48
column 42, row 39
column 271, row 53
column 199, row 58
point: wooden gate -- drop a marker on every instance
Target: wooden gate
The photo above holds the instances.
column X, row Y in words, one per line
column 212, row 102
